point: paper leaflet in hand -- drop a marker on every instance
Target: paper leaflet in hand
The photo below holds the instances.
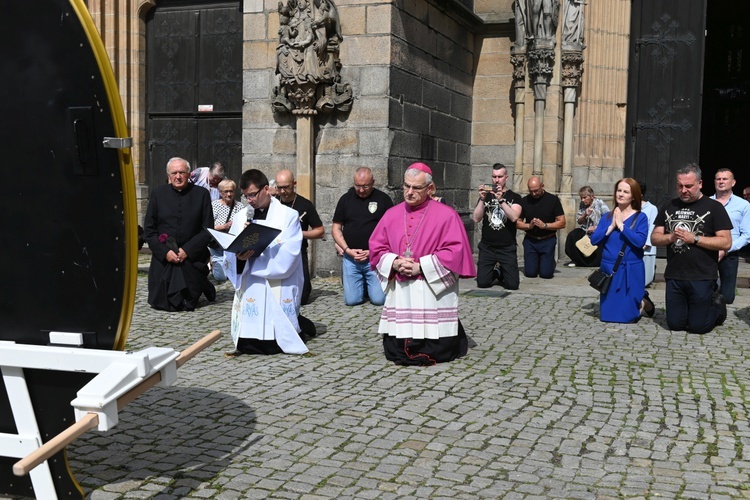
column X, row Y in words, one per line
column 240, row 239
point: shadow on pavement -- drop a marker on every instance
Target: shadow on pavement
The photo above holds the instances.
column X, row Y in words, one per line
column 177, row 437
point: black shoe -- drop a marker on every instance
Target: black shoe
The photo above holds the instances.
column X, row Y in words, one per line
column 210, row 292
column 648, row 306
column 232, row 354
column 188, row 306
column 719, row 300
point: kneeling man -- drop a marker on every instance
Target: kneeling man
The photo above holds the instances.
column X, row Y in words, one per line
column 268, row 286
column 420, row 250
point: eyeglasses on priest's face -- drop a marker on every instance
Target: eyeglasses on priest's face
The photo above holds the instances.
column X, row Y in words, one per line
column 284, row 188
column 250, row 196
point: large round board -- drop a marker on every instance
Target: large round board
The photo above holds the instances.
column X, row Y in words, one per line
column 67, row 205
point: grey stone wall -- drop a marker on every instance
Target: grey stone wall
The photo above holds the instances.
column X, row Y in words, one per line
column 411, row 68
column 431, row 87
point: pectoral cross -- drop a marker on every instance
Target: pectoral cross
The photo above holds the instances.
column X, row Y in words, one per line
column 407, row 254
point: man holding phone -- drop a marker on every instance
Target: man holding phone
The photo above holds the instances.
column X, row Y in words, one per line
column 498, row 208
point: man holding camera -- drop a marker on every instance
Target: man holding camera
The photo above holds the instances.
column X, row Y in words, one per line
column 498, row 208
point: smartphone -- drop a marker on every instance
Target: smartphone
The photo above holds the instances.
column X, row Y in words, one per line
column 490, row 187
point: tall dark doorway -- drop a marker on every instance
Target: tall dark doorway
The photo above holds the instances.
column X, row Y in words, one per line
column 726, row 94
column 664, row 91
column 194, row 86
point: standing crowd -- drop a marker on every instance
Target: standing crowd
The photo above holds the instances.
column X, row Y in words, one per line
column 409, row 257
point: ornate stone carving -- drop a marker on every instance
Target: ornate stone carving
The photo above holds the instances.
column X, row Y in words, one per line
column 541, row 64
column 572, row 68
column 541, row 23
column 307, row 58
column 518, row 60
column 572, row 35
column 519, row 8
column 536, row 29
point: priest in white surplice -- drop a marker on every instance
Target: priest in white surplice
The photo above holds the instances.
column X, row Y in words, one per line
column 420, row 250
column 268, row 286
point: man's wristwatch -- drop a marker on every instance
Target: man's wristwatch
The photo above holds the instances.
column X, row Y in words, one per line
column 697, row 239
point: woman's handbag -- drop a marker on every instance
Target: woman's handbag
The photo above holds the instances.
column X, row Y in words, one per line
column 600, row 280
column 585, row 247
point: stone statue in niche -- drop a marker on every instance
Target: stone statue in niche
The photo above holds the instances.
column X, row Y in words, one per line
column 307, row 58
column 572, row 35
column 541, row 23
column 519, row 10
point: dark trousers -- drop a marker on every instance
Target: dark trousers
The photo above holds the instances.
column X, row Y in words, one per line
column 539, row 257
column 307, row 286
column 690, row 305
column 507, row 258
column 575, row 255
column 728, row 275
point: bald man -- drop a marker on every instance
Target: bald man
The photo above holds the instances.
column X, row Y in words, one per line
column 357, row 213
column 312, row 226
column 541, row 216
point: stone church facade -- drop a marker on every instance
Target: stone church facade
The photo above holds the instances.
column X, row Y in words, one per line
column 431, row 81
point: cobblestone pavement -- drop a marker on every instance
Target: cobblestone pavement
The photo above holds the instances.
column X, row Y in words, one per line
column 549, row 403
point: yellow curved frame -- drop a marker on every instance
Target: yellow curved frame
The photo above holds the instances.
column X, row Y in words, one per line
column 128, row 184
column 126, row 172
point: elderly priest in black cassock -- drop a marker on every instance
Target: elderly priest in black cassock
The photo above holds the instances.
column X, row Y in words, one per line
column 176, row 217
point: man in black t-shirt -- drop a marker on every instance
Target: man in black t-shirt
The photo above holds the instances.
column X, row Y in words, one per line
column 312, row 226
column 541, row 216
column 498, row 208
column 694, row 228
column 357, row 213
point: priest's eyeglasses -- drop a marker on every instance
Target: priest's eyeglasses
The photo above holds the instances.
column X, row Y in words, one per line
column 250, row 196
column 413, row 187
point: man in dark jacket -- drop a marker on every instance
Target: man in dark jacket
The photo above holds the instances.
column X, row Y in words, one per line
column 176, row 217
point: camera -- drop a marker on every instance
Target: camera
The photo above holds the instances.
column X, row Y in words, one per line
column 490, row 187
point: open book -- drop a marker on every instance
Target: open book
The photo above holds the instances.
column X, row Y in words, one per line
column 254, row 237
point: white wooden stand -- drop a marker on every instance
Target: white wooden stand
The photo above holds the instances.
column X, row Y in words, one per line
column 118, row 373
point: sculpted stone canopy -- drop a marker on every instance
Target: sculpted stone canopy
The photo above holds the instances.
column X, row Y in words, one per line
column 307, row 59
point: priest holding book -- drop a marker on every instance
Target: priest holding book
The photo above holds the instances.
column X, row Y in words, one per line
column 265, row 313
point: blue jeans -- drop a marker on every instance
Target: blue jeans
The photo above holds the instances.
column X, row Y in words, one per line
column 728, row 275
column 690, row 305
column 539, row 257
column 217, row 264
column 357, row 275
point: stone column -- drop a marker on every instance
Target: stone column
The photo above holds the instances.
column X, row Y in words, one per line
column 518, row 59
column 541, row 63
column 572, row 68
column 305, row 140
